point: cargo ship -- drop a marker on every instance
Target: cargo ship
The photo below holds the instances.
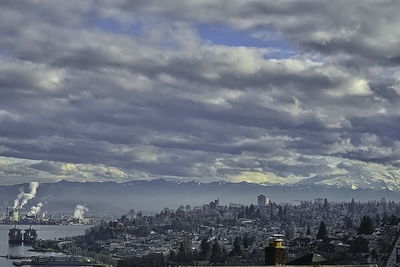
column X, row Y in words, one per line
column 15, row 236
column 30, row 236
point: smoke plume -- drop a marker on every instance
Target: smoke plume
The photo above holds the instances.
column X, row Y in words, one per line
column 23, row 197
column 80, row 211
column 35, row 209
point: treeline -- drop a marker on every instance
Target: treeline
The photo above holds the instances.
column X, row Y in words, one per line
column 210, row 251
column 367, row 227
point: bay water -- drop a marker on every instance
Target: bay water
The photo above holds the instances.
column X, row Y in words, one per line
column 43, row 231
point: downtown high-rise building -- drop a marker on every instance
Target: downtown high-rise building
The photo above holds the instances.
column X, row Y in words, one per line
column 261, row 201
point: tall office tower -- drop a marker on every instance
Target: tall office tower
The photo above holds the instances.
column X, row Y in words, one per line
column 261, row 201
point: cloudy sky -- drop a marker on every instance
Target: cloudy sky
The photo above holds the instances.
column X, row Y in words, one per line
column 236, row 90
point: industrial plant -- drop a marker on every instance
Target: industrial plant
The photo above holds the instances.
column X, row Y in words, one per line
column 19, row 215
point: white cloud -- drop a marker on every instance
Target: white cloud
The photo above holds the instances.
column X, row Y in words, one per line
column 129, row 89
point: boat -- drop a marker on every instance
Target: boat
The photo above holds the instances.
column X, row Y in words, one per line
column 15, row 236
column 30, row 236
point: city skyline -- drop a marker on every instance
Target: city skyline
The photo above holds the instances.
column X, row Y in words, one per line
column 272, row 92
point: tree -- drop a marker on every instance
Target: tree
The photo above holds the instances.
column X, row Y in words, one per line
column 236, row 250
column 247, row 240
column 251, row 211
column 182, row 256
column 308, row 233
column 290, row 231
column 378, row 219
column 385, row 219
column 326, row 204
column 359, row 245
column 322, row 232
column 366, row 226
column 171, row 256
column 348, row 223
column 280, row 213
column 216, row 253
column 393, row 220
column 204, row 249
column 352, row 205
column 374, row 255
column 151, row 260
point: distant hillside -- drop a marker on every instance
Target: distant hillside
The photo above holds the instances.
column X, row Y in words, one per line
column 150, row 196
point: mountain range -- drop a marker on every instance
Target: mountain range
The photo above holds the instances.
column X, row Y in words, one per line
column 153, row 195
column 372, row 180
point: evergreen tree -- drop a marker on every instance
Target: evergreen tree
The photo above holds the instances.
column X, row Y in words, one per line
column 171, row 256
column 251, row 211
column 236, row 250
column 385, row 219
column 348, row 223
column 393, row 220
column 216, row 253
column 359, row 245
column 366, row 226
column 378, row 219
column 326, row 204
column 285, row 212
column 352, row 205
column 246, row 241
column 271, row 212
column 308, row 233
column 182, row 256
column 322, row 232
column 290, row 231
column 280, row 212
column 204, row 249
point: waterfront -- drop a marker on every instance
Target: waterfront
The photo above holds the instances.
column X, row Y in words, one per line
column 44, row 232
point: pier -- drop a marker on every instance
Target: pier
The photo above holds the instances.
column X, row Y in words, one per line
column 51, row 261
column 15, row 257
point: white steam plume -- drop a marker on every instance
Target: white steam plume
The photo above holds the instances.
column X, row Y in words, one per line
column 23, row 197
column 35, row 209
column 80, row 211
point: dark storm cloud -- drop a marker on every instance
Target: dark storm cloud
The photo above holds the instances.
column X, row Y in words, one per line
column 86, row 103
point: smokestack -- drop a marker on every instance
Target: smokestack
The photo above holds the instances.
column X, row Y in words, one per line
column 275, row 252
column 44, row 214
column 23, row 197
column 79, row 212
column 15, row 215
column 35, row 209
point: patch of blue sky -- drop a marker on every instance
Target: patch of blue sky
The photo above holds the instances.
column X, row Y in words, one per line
column 4, row 53
column 223, row 35
column 114, row 26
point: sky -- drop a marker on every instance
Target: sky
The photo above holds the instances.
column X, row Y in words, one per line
column 235, row 90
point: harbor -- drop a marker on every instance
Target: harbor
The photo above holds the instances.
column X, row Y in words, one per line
column 29, row 236
column 11, row 252
column 25, row 246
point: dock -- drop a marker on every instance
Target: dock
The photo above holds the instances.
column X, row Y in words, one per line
column 15, row 257
column 52, row 261
column 23, row 263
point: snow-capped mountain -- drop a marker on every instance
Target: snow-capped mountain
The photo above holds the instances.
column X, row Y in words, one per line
column 375, row 180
